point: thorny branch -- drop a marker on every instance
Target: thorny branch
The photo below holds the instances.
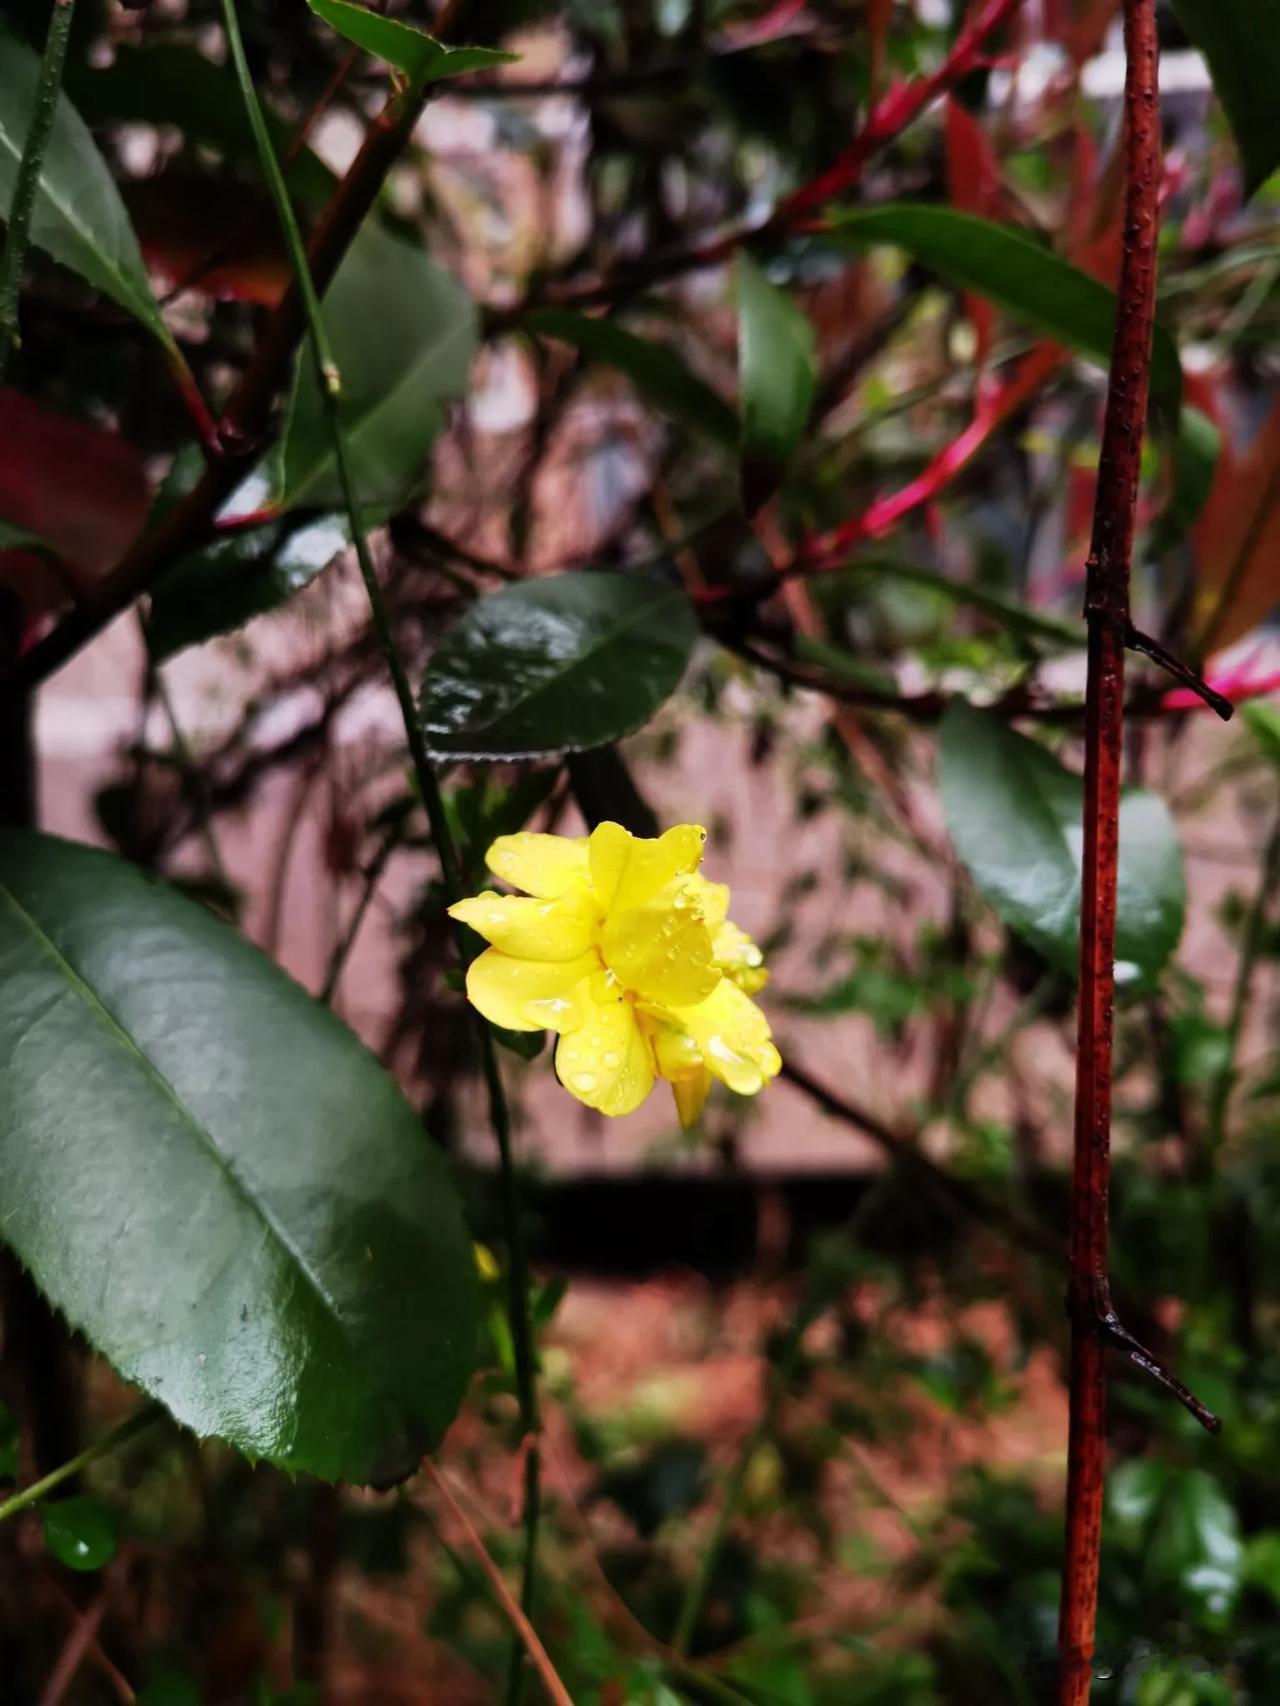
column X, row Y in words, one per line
column 1094, row 1322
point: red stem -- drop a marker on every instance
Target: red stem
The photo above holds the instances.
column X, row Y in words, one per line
column 1107, row 614
column 888, row 118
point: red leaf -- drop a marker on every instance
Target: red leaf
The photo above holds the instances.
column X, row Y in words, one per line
column 79, row 487
column 973, row 186
column 206, row 235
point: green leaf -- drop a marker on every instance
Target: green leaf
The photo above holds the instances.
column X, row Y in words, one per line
column 170, row 85
column 1195, row 462
column 559, row 664
column 1134, row 1490
column 1196, row 1546
column 1241, row 41
column 1014, row 815
column 170, row 1687
column 80, row 1532
column 15, row 538
column 9, row 1440
column 235, row 579
column 78, row 216
column 215, row 1182
column 1264, row 725
column 1262, row 1562
column 659, row 374
column 777, row 376
column 419, row 56
column 1008, row 268
column 403, row 335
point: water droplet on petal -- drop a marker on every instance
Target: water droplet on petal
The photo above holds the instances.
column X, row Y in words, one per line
column 583, row 1080
column 612, row 1057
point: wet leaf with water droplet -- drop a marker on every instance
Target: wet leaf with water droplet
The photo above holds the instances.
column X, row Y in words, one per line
column 211, row 1177
column 556, row 665
column 1015, row 818
column 80, row 1532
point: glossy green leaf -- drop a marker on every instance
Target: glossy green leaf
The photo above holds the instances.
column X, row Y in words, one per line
column 419, row 56
column 80, row 1532
column 167, row 84
column 1014, row 815
column 215, row 1182
column 1008, row 268
column 658, row 372
column 225, row 585
column 777, row 376
column 1241, row 41
column 78, row 216
column 556, row 665
column 403, row 335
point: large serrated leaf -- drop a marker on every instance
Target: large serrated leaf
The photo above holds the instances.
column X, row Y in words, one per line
column 559, row 664
column 78, row 216
column 403, row 335
column 212, row 1179
column 1014, row 815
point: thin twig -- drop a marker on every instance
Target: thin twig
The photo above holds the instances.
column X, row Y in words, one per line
column 525, row 1631
column 76, row 1650
column 330, row 387
column 347, row 941
column 192, row 778
column 27, row 184
column 887, row 120
column 109, row 1442
column 953, row 1194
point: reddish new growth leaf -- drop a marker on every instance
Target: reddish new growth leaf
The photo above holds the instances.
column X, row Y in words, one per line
column 79, row 487
column 197, row 234
column 973, row 186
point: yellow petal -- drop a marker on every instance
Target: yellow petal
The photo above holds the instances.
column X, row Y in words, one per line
column 607, row 1062
column 530, row 995
column 690, row 1095
column 628, row 870
column 531, row 929
column 712, row 900
column 543, row 865
column 734, row 1038
column 675, row 1052
column 661, row 951
column 738, row 957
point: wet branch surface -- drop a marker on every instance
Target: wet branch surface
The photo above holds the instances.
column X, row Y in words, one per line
column 1095, row 1325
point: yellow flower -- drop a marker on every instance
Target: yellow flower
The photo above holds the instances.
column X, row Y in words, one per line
column 623, row 948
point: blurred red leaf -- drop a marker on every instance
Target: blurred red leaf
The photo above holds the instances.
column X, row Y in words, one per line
column 973, row 186
column 206, row 235
column 1237, row 539
column 82, row 489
